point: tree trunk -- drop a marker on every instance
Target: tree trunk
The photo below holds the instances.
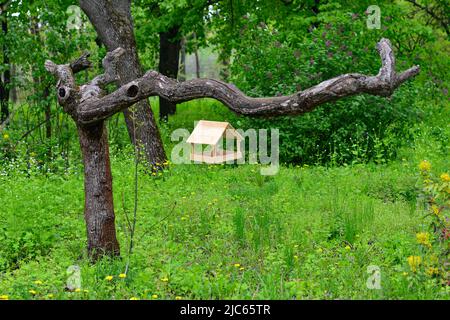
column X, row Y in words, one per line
column 182, row 68
column 99, row 207
column 197, row 63
column 169, row 58
column 6, row 77
column 113, row 22
column 14, row 94
column 225, row 61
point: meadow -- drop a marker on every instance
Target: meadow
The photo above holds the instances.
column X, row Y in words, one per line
column 225, row 231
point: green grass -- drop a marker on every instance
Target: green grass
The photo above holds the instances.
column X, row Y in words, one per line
column 304, row 233
column 223, row 232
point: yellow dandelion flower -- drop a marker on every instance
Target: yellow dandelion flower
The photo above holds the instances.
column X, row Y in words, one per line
column 178, row 298
column 6, row 136
column 432, row 271
column 4, row 297
column 237, row 265
column 424, row 239
column 414, row 262
column 241, row 268
column 122, row 276
column 77, row 290
column 445, row 177
column 435, row 209
column 165, row 279
column 33, row 292
column 109, row 278
column 425, row 165
column 38, row 282
column 134, row 298
column 347, row 248
column 154, row 296
column 50, row 296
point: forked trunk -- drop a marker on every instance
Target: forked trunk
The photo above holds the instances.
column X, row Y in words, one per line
column 113, row 22
column 99, row 207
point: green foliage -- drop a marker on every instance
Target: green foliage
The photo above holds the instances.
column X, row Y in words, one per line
column 308, row 232
column 434, row 239
column 209, row 232
column 274, row 58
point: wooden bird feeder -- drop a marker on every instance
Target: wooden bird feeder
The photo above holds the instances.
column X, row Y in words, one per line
column 210, row 133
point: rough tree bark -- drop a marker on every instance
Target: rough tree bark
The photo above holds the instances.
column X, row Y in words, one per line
column 182, row 71
column 169, row 57
column 99, row 207
column 113, row 22
column 89, row 106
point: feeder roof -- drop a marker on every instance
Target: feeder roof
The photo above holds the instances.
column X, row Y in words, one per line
column 210, row 132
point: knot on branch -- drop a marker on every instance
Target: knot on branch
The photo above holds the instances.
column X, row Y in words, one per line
column 132, row 90
column 63, row 93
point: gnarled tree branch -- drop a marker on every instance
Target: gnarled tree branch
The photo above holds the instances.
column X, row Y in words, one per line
column 97, row 107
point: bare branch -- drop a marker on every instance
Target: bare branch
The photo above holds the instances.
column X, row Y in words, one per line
column 156, row 84
column 110, row 64
column 82, row 63
column 68, row 91
column 443, row 21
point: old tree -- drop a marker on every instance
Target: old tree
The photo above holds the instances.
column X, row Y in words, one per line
column 90, row 105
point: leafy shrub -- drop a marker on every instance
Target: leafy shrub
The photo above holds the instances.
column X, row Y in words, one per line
column 356, row 129
column 434, row 242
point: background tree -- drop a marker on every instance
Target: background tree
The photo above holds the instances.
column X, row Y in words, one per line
column 173, row 21
column 6, row 66
column 436, row 12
